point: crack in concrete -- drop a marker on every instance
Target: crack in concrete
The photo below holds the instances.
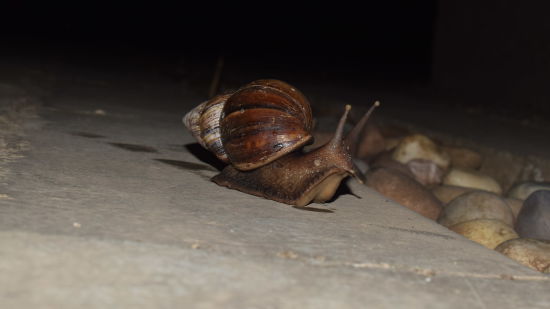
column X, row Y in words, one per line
column 476, row 293
column 432, row 272
column 322, row 261
column 414, row 231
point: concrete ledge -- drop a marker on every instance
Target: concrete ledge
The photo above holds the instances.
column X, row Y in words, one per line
column 112, row 209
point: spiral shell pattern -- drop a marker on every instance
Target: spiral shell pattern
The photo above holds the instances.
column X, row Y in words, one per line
column 264, row 121
column 204, row 123
column 259, row 123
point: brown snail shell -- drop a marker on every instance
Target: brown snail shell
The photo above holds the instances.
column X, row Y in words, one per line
column 263, row 121
column 259, row 123
column 204, row 123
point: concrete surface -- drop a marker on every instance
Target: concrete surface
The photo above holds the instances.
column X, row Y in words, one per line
column 111, row 206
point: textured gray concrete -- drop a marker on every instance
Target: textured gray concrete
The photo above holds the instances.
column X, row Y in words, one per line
column 111, row 206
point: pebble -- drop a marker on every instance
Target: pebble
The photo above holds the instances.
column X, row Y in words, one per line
column 392, row 142
column 419, row 146
column 446, row 193
column 529, row 252
column 100, row 112
column 476, row 205
column 426, row 172
column 385, row 160
column 523, row 190
column 393, row 134
column 533, row 220
column 463, row 157
column 371, row 143
column 504, row 167
column 471, row 179
column 487, row 232
column 405, row 191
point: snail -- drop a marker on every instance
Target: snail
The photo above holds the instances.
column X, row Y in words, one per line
column 260, row 131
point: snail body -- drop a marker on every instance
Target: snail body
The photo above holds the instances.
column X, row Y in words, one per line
column 260, row 131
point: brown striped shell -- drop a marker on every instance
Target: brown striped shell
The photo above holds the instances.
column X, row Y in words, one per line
column 259, row 123
column 204, row 123
column 263, row 121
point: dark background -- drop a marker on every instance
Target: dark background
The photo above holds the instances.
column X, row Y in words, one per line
column 383, row 37
column 495, row 53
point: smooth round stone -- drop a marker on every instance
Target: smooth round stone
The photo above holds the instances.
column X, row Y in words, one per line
column 371, row 142
column 487, row 232
column 529, row 252
column 463, row 157
column 405, row 191
column 385, row 160
column 476, row 205
column 392, row 142
column 393, row 134
column 506, row 167
column 533, row 220
column 361, row 165
column 418, row 146
column 426, row 172
column 523, row 190
column 447, row 193
column 471, row 179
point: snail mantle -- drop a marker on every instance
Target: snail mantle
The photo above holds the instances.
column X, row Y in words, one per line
column 260, row 131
